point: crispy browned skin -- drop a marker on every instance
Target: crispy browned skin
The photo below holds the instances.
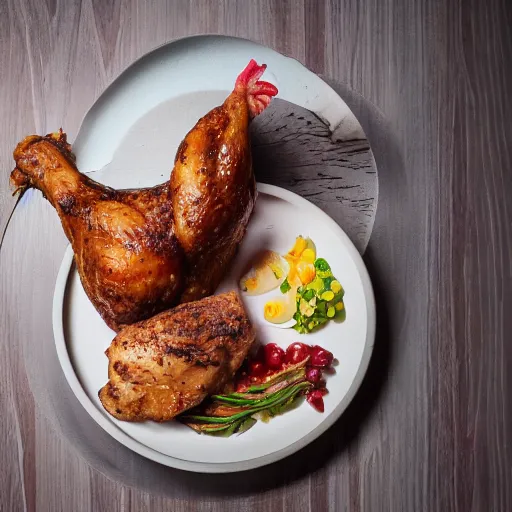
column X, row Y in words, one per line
column 136, row 256
column 163, row 366
column 126, row 252
column 213, row 192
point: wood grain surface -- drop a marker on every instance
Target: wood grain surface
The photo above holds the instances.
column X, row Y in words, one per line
column 431, row 428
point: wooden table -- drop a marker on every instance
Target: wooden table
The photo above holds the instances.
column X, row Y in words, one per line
column 431, row 428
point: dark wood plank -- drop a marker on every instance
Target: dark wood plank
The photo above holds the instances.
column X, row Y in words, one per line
column 469, row 251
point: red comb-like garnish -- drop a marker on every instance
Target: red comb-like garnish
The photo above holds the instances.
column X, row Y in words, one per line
column 259, row 93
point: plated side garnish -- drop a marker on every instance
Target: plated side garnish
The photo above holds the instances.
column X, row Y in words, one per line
column 267, row 271
column 271, row 383
column 320, row 300
column 310, row 294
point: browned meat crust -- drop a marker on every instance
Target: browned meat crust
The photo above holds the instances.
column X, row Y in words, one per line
column 127, row 254
column 163, row 366
column 139, row 252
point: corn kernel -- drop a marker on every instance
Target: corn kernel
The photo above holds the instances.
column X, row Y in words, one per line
column 308, row 256
column 327, row 295
column 300, row 245
column 336, row 286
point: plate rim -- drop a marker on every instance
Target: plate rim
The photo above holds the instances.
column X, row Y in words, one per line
column 221, row 39
column 218, row 467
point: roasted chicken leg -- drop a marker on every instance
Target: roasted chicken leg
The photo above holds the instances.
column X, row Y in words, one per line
column 163, row 366
column 139, row 252
column 212, row 185
column 129, row 260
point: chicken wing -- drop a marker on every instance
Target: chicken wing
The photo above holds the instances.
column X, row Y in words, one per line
column 163, row 366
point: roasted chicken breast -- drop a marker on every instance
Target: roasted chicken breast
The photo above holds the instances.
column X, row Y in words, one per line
column 163, row 366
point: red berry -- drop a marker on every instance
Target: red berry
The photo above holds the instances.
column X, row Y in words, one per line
column 274, row 356
column 256, row 369
column 320, row 357
column 315, row 399
column 313, row 375
column 260, row 354
column 323, row 389
column 296, row 353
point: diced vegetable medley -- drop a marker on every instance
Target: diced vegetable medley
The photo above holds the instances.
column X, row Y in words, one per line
column 320, row 300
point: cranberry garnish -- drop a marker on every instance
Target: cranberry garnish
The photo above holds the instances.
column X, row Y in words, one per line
column 320, row 357
column 260, row 354
column 274, row 356
column 315, row 399
column 313, row 375
column 256, row 369
column 296, row 353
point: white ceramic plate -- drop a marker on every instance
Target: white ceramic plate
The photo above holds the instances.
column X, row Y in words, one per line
column 81, row 338
column 130, row 136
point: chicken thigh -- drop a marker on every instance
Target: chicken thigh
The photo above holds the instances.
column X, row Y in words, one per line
column 128, row 257
column 139, row 252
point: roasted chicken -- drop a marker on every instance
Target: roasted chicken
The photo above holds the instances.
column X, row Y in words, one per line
column 128, row 257
column 212, row 185
column 163, row 366
column 139, row 252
